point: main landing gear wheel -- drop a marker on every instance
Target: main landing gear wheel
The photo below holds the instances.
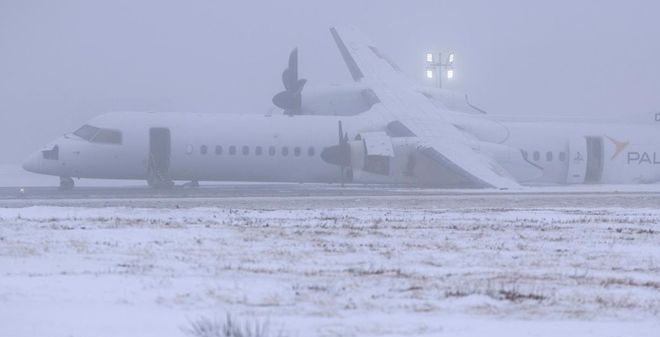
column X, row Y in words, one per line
column 191, row 184
column 160, row 184
column 66, row 184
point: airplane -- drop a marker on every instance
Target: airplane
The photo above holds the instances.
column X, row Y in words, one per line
column 383, row 129
column 349, row 99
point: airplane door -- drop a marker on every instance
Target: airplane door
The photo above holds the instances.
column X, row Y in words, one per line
column 577, row 160
column 595, row 158
column 159, row 156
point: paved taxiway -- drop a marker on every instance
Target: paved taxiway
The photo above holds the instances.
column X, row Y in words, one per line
column 258, row 195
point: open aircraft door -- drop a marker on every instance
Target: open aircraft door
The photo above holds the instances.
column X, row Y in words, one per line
column 160, row 146
column 577, row 160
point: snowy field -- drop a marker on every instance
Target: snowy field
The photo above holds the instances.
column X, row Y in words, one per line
column 75, row 271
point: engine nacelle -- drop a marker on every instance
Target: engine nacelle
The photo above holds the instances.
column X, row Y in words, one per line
column 352, row 99
column 378, row 158
column 344, row 100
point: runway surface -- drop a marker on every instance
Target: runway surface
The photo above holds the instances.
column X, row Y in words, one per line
column 261, row 195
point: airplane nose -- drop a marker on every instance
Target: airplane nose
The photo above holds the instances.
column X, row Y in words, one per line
column 32, row 164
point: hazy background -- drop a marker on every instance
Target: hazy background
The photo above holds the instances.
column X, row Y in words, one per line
column 62, row 62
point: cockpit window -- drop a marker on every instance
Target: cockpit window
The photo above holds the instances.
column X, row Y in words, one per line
column 98, row 135
column 87, row 132
column 52, row 154
column 107, row 137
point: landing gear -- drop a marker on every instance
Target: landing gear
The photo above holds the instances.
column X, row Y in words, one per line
column 191, row 184
column 66, row 184
column 156, row 181
column 157, row 178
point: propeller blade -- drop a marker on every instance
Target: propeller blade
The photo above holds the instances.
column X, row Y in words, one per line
column 291, row 98
column 339, row 154
column 290, row 74
column 342, row 179
column 293, row 63
column 285, row 100
column 342, row 149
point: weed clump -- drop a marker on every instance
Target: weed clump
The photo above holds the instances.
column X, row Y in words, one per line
column 228, row 327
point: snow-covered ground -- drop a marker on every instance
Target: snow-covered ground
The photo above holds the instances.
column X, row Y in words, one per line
column 337, row 272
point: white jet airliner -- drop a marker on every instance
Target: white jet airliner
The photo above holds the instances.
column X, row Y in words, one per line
column 383, row 129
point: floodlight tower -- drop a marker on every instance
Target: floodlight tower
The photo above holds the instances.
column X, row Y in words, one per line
column 436, row 67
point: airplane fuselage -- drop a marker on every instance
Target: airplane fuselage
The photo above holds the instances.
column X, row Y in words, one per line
column 231, row 147
column 203, row 147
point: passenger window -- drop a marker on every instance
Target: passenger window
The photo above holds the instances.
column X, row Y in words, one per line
column 203, row 149
column 296, row 151
column 562, row 156
column 537, row 156
column 257, row 151
column 285, row 151
column 246, row 150
column 310, row 151
column 232, row 150
column 524, row 153
column 218, row 150
column 548, row 156
column 271, row 151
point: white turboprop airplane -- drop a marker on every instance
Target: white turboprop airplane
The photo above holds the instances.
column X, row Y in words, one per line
column 396, row 134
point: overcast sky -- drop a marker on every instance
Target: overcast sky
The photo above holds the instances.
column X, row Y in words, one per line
column 63, row 62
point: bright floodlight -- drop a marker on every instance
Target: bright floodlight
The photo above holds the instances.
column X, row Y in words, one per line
column 450, row 59
column 429, row 74
column 429, row 57
column 450, row 74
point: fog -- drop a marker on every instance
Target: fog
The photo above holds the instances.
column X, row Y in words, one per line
column 398, row 218
column 63, row 62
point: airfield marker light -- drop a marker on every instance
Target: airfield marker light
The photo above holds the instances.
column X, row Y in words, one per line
column 450, row 59
column 437, row 69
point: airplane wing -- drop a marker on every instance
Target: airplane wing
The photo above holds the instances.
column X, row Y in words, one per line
column 440, row 140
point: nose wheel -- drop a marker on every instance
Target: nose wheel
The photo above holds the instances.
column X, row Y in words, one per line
column 66, row 183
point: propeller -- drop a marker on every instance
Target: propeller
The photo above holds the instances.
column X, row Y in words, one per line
column 345, row 151
column 291, row 98
column 339, row 154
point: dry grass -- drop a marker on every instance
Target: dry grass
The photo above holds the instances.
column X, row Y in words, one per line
column 228, row 327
